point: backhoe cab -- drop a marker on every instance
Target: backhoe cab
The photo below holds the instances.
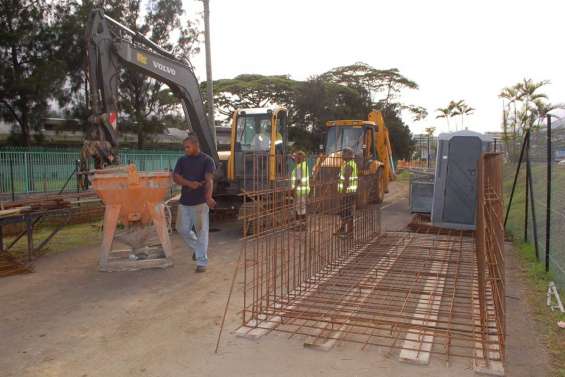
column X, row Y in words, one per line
column 370, row 143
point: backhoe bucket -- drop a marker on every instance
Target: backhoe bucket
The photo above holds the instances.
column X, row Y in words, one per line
column 135, row 200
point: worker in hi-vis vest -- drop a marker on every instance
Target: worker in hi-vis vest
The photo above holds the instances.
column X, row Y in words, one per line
column 347, row 186
column 300, row 183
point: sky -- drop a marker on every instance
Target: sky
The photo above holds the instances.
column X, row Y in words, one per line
column 456, row 49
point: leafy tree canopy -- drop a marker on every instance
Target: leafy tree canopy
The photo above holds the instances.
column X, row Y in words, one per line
column 253, row 90
column 31, row 72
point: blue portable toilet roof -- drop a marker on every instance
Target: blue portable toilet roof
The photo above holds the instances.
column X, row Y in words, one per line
column 450, row 135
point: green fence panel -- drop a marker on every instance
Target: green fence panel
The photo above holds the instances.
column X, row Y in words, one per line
column 26, row 171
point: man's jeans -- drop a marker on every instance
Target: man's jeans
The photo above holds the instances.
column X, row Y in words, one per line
column 198, row 216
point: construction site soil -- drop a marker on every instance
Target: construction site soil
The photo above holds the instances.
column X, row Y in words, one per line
column 69, row 319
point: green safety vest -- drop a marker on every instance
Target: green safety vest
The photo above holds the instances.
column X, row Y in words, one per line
column 353, row 179
column 303, row 187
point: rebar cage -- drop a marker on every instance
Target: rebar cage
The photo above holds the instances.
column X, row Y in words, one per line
column 420, row 292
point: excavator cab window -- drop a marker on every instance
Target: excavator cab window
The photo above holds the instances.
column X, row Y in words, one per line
column 254, row 133
column 340, row 137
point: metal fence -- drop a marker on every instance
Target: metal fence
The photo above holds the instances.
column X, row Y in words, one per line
column 534, row 182
column 27, row 171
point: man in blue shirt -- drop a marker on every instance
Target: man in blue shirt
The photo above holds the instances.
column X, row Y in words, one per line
column 195, row 173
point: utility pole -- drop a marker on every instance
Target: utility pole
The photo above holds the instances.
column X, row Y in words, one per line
column 209, row 84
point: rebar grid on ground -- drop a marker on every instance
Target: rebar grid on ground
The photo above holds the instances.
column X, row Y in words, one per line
column 418, row 292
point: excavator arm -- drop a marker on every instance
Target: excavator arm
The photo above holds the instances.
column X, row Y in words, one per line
column 111, row 46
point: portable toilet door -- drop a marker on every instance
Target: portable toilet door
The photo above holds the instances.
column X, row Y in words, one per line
column 455, row 187
column 460, row 188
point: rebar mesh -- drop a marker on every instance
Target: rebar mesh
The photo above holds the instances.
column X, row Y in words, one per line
column 415, row 291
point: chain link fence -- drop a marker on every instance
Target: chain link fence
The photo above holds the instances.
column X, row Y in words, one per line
column 534, row 184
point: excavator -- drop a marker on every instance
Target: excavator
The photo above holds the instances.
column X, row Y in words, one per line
column 111, row 47
column 369, row 140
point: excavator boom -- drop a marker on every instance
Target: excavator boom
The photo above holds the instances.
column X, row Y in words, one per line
column 111, row 46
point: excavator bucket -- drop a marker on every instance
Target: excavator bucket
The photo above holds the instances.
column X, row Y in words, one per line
column 135, row 200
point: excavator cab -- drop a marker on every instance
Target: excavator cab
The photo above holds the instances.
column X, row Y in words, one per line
column 259, row 142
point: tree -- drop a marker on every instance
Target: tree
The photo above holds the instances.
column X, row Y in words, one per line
column 446, row 113
column 30, row 72
column 318, row 101
column 139, row 94
column 462, row 109
column 382, row 88
column 400, row 136
column 530, row 107
column 139, row 98
column 420, row 113
column 509, row 94
column 252, row 90
column 70, row 18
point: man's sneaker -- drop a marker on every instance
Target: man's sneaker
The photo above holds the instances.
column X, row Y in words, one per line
column 200, row 269
column 194, row 256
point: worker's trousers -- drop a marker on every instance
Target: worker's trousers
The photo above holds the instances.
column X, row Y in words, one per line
column 196, row 216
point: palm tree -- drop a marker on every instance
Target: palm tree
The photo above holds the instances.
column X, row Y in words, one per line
column 540, row 111
column 461, row 108
column 446, row 112
column 531, row 99
column 510, row 94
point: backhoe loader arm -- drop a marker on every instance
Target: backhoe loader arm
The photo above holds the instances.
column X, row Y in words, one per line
column 111, row 46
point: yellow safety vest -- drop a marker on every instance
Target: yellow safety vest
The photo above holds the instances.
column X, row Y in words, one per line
column 353, row 179
column 303, row 187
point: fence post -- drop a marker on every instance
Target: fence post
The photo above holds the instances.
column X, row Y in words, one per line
column 527, row 157
column 12, row 178
column 532, row 205
column 77, row 169
column 527, row 135
column 548, row 198
column 27, row 185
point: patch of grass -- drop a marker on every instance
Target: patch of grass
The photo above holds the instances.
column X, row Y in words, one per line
column 538, row 280
column 70, row 237
column 403, row 176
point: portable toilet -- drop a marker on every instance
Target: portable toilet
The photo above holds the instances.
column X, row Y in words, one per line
column 455, row 186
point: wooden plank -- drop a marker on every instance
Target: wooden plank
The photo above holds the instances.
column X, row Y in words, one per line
column 250, row 331
column 326, row 342
column 417, row 345
column 14, row 211
column 117, row 265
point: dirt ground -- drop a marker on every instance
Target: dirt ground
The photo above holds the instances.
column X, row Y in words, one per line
column 68, row 319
